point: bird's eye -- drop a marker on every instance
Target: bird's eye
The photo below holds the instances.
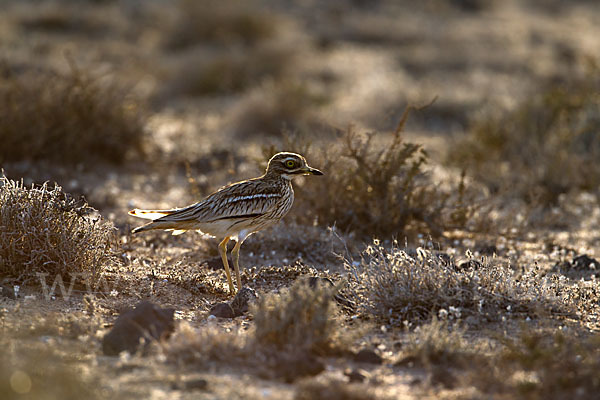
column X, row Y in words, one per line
column 290, row 164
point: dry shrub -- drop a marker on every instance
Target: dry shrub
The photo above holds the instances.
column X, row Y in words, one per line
column 207, row 346
column 231, row 70
column 67, row 18
column 333, row 390
column 277, row 106
column 396, row 285
column 44, row 230
column 536, row 364
column 67, row 119
column 554, row 366
column 220, row 23
column 438, row 342
column 375, row 185
column 291, row 331
column 299, row 320
column 546, row 146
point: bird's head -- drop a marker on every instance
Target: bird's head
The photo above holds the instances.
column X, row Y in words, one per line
column 290, row 165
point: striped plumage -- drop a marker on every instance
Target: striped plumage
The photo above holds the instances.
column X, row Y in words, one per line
column 237, row 210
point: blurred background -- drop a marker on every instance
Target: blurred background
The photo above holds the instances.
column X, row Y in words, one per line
column 157, row 103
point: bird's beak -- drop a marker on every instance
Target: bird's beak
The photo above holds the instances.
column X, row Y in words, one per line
column 312, row 171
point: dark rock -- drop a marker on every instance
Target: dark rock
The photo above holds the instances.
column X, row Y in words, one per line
column 293, row 367
column 487, row 249
column 582, row 267
column 470, row 264
column 356, row 375
column 347, row 304
column 368, row 356
column 216, row 264
column 194, row 384
column 585, row 262
column 446, row 259
column 7, row 291
column 145, row 323
column 408, row 361
column 443, row 376
column 222, row 310
column 313, row 281
column 242, row 300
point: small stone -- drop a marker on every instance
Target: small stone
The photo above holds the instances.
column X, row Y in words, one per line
column 313, row 281
column 195, row 384
column 470, row 264
column 241, row 303
column 368, row 356
column 222, row 310
column 216, row 263
column 356, row 375
column 145, row 323
column 298, row 366
column 7, row 291
column 584, row 262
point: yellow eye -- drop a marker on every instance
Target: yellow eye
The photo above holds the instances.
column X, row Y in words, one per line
column 290, row 164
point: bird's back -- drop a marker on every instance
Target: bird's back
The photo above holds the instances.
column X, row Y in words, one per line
column 248, row 205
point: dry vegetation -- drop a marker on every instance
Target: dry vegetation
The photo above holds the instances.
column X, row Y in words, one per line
column 546, row 146
column 377, row 185
column 46, row 231
column 67, row 120
column 400, row 286
column 156, row 104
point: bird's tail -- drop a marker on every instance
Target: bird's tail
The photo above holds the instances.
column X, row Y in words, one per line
column 150, row 214
column 154, row 215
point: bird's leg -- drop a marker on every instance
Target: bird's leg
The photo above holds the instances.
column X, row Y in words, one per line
column 236, row 258
column 223, row 252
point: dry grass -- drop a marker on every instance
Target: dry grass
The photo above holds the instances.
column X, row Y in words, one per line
column 537, row 364
column 551, row 366
column 300, row 319
column 276, row 107
column 546, row 146
column 67, row 119
column 44, row 230
column 333, row 390
column 208, row 346
column 211, row 72
column 291, row 330
column 233, row 23
column 394, row 286
column 375, row 185
column 438, row 342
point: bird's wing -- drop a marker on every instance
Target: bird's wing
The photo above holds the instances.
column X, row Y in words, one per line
column 241, row 200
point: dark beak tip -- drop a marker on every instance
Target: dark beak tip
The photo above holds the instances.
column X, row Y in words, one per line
column 316, row 172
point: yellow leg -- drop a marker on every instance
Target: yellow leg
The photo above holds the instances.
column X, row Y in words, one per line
column 223, row 252
column 236, row 258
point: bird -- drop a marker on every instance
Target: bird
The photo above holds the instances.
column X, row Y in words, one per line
column 237, row 210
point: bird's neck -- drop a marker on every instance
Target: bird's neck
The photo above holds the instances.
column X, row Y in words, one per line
column 283, row 178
